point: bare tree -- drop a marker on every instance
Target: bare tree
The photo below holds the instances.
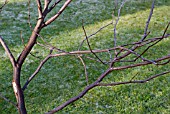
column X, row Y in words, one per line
column 117, row 53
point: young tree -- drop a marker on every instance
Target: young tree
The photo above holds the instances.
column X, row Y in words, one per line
column 116, row 53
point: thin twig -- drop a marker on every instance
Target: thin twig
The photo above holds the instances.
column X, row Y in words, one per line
column 135, row 53
column 133, row 48
column 89, row 44
column 155, row 42
column 29, row 15
column 100, row 29
column 117, row 20
column 48, row 46
column 147, row 41
column 140, row 64
column 34, row 74
column 134, row 76
column 85, row 69
column 54, row 5
column 9, row 101
column 164, row 63
column 6, row 1
column 148, row 21
column 139, row 44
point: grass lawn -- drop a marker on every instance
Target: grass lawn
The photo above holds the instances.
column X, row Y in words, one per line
column 63, row 77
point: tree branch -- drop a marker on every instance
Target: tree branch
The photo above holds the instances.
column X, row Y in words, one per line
column 7, row 50
column 100, row 29
column 140, row 64
column 53, row 6
column 89, row 44
column 97, row 83
column 117, row 20
column 85, row 69
column 148, row 21
column 6, row 1
column 135, row 81
column 39, row 9
column 34, row 74
column 9, row 101
column 100, row 51
column 155, row 42
column 58, row 14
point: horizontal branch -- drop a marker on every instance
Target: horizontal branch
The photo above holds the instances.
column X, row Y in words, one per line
column 140, row 64
column 139, row 44
column 149, row 40
column 98, row 51
column 135, row 81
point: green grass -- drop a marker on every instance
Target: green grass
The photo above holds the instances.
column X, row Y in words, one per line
column 63, row 77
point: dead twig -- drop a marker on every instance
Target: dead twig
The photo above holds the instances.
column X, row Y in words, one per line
column 85, row 69
column 89, row 44
column 9, row 101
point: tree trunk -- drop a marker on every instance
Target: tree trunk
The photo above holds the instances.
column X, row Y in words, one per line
column 17, row 68
column 18, row 91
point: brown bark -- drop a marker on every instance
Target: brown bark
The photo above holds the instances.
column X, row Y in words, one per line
column 17, row 68
column 31, row 42
column 17, row 90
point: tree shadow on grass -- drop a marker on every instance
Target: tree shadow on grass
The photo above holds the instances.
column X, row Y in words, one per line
column 14, row 17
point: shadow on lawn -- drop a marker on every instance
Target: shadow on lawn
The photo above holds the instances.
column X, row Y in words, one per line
column 14, row 17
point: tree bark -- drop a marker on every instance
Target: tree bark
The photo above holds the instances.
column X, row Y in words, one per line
column 17, row 68
column 17, row 90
